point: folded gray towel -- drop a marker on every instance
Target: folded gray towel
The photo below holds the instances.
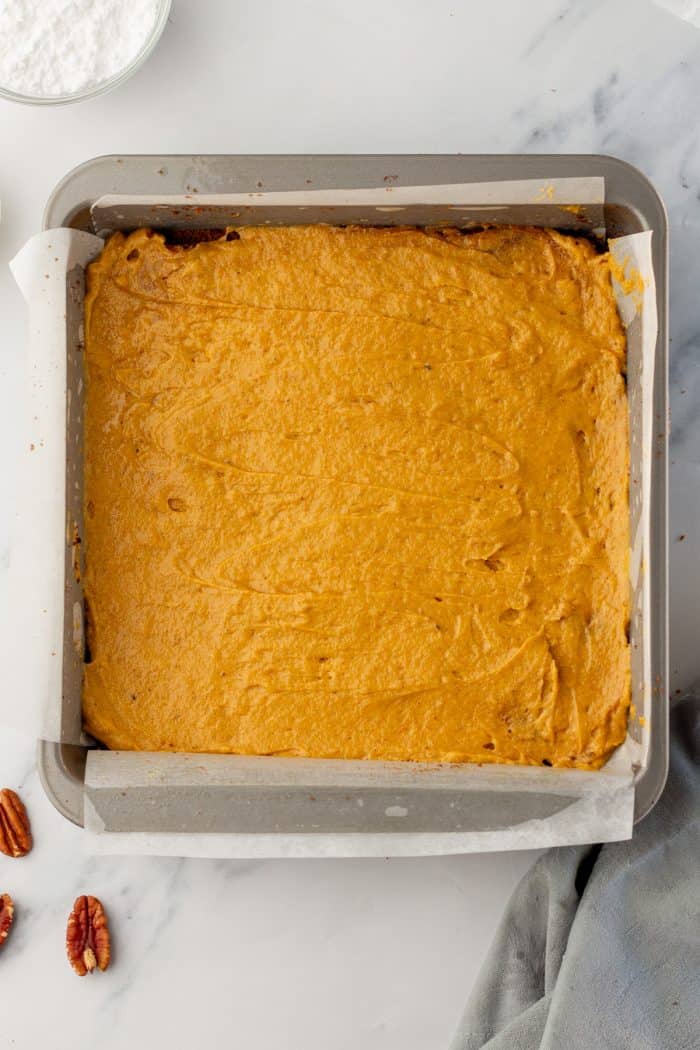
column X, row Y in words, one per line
column 600, row 948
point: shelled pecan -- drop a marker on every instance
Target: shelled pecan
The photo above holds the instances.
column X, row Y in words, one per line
column 15, row 832
column 87, row 936
column 7, row 915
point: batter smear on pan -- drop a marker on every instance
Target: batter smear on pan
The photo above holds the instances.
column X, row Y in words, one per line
column 357, row 493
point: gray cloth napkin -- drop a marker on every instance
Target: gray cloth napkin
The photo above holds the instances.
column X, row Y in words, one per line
column 600, row 948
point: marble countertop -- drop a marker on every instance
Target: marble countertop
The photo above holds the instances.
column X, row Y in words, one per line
column 342, row 954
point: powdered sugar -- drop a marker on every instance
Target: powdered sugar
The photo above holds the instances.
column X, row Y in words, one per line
column 50, row 48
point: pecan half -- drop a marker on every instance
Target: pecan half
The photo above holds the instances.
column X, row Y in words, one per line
column 15, row 833
column 7, row 914
column 87, row 936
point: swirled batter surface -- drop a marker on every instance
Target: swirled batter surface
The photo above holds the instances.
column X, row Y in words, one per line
column 357, row 493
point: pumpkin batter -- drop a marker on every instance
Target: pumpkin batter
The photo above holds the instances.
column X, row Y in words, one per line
column 357, row 493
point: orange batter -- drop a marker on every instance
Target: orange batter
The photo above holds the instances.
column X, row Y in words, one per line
column 357, row 493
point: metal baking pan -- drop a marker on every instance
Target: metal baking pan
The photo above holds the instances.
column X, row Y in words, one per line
column 239, row 794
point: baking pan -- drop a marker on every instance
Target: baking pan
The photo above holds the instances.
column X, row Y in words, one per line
column 195, row 793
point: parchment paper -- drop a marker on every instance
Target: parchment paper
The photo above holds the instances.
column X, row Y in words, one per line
column 605, row 813
column 575, row 191
column 567, row 203
column 635, row 290
column 605, row 809
column 31, row 696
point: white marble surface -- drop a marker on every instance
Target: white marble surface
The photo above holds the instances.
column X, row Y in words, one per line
column 312, row 955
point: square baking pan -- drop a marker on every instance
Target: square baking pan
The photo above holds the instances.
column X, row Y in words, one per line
column 230, row 793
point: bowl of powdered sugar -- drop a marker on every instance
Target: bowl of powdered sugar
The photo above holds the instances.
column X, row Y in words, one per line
column 54, row 51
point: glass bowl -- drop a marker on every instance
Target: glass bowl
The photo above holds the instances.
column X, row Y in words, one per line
column 105, row 85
